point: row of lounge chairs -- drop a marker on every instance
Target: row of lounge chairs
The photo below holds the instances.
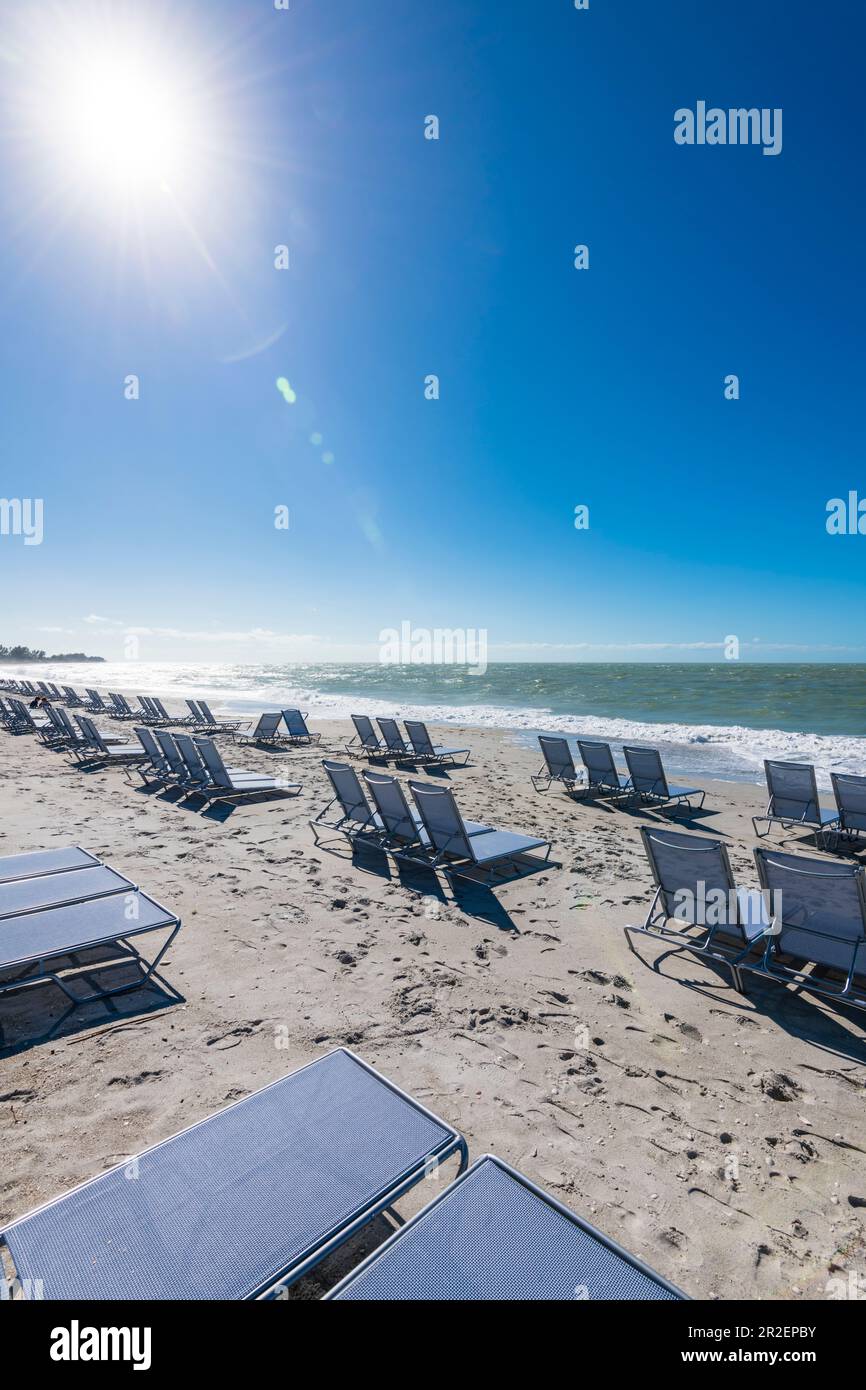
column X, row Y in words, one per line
column 434, row 833
column 56, row 905
column 267, row 730
column 805, row 925
column 645, row 781
column 417, row 747
column 245, row 1203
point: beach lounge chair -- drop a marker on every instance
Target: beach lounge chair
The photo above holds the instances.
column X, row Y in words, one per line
column 196, row 719
column 243, row 1204
column 226, row 784
column 164, row 715
column 23, row 721
column 793, row 801
column 850, row 794
column 558, row 766
column 493, row 1235
column 55, row 692
column 265, row 730
column 402, row 826
column 697, row 904
column 365, row 741
column 649, row 783
column 603, row 777
column 455, row 849
column 395, row 744
column 94, row 704
column 101, row 751
column 41, row 944
column 34, row 863
column 71, row 698
column 157, row 767
column 177, row 768
column 356, row 816
column 424, row 749
column 23, row 895
column 819, row 908
column 296, row 723
column 219, row 724
column 120, row 707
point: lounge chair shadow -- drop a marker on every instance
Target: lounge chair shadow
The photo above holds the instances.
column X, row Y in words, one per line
column 44, row 1014
column 674, row 819
column 221, row 810
column 477, row 900
column 790, row 1007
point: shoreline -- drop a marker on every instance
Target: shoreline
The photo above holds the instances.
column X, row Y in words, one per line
column 632, row 1086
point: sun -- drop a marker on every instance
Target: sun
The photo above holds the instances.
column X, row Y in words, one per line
column 122, row 121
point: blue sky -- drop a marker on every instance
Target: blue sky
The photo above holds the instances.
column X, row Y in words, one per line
column 411, row 257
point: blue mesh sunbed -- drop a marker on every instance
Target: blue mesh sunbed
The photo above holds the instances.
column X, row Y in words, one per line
column 36, row 944
column 54, row 890
column 494, row 1235
column 243, row 1203
column 45, row 861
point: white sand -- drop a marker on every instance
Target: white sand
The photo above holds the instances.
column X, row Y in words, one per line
column 623, row 1083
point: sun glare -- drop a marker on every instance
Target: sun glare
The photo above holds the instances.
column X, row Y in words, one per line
column 122, row 122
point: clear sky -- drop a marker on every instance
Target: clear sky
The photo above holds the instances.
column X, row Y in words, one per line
column 152, row 254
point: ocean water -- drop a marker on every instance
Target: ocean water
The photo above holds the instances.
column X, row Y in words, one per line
column 719, row 720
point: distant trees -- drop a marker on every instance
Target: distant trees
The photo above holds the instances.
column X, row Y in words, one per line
column 37, row 654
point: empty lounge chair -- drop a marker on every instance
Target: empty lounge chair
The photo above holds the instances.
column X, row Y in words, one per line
column 50, row 922
column 458, row 851
column 425, row 750
column 219, row 724
column 265, row 730
column 603, row 777
column 296, row 723
column 366, row 740
column 33, row 863
column 495, row 1236
column 558, row 766
column 395, row 744
column 244, row 1203
column 71, row 698
column 356, row 816
column 226, row 783
column 101, row 751
column 402, row 825
column 793, row 801
column 697, row 904
column 850, row 793
column 819, row 920
column 649, row 783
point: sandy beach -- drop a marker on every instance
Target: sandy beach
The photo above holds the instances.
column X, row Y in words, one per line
column 718, row 1136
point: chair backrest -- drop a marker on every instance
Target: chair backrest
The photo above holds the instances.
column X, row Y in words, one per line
column 599, row 763
column 68, row 726
column 392, row 806
column 205, row 709
column 419, row 737
column 392, row 736
column 22, row 713
column 54, row 690
column 348, row 791
column 442, row 820
column 192, row 758
column 194, row 710
column 43, row 687
column 145, row 705
column 819, row 906
column 95, row 698
column 54, row 718
column 850, row 793
column 694, row 877
column 91, row 733
column 296, row 723
column 365, row 731
column 170, row 752
column 267, row 726
column 160, row 708
column 557, row 756
column 646, row 771
column 150, row 746
column 793, row 790
column 213, row 761
column 69, row 693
